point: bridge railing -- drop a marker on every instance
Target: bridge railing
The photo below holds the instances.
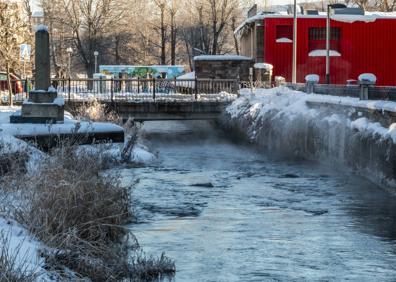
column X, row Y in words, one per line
column 142, row 89
column 175, row 89
column 128, row 89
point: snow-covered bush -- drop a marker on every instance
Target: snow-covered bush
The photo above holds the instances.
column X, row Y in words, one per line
column 80, row 215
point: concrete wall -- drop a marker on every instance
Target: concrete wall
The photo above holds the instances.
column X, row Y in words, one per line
column 318, row 138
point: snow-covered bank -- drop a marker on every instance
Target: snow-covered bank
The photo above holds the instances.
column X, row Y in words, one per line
column 24, row 250
column 21, row 166
column 280, row 120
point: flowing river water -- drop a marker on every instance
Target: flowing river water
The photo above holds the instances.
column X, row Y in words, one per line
column 228, row 212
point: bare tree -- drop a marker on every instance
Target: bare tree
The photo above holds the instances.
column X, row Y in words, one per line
column 173, row 11
column 12, row 33
column 162, row 6
column 86, row 23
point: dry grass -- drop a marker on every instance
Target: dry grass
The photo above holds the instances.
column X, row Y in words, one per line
column 152, row 268
column 13, row 265
column 95, row 111
column 81, row 215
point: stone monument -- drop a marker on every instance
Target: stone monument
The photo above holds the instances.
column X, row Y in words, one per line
column 43, row 105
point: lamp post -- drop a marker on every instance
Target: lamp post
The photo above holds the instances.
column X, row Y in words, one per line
column 96, row 54
column 328, row 37
column 294, row 63
column 69, row 51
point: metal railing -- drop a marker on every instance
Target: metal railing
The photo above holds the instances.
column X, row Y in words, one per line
column 387, row 93
column 131, row 89
column 171, row 89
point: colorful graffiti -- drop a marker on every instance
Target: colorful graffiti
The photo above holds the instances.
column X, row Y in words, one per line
column 142, row 71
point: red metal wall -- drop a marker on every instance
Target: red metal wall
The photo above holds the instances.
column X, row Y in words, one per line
column 364, row 47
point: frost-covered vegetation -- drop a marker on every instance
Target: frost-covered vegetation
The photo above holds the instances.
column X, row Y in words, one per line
column 63, row 213
column 77, row 214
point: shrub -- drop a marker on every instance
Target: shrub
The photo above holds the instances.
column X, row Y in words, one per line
column 80, row 213
column 77, row 212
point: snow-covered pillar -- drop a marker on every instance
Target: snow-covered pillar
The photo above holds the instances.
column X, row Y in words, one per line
column 280, row 81
column 263, row 72
column 365, row 81
column 310, row 81
column 42, row 59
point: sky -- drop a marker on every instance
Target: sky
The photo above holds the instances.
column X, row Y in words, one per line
column 270, row 2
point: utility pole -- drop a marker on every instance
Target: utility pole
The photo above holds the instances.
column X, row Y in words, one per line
column 96, row 54
column 328, row 45
column 294, row 63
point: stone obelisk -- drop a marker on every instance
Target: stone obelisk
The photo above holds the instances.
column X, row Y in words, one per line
column 43, row 106
column 42, row 60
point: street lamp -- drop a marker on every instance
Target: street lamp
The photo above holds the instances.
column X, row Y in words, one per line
column 328, row 37
column 69, row 51
column 96, row 54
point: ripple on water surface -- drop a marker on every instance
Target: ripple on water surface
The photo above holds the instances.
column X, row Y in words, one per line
column 259, row 219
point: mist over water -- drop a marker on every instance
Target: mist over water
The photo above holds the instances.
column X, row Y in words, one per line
column 227, row 212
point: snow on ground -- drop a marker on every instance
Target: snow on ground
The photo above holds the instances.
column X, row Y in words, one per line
column 282, row 121
column 221, row 58
column 70, row 125
column 142, row 154
column 23, row 247
column 10, row 144
column 292, row 103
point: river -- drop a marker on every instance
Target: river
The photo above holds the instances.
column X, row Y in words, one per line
column 228, row 212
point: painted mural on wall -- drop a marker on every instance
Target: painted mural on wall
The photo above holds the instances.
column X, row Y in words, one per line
column 142, row 71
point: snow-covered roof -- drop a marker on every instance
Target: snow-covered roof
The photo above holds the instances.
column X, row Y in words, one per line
column 189, row 75
column 221, row 58
column 263, row 66
column 41, row 27
column 368, row 17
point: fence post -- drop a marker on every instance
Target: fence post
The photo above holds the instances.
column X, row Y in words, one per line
column 366, row 80
column 196, row 87
column 174, row 85
column 26, row 87
column 310, row 81
column 138, row 89
column 154, row 88
column 112, row 90
column 68, row 92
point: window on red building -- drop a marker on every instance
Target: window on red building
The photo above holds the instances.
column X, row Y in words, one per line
column 317, row 41
column 284, row 34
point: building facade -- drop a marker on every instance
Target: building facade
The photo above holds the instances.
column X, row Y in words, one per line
column 358, row 44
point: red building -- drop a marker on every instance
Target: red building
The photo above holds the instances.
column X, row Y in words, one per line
column 359, row 44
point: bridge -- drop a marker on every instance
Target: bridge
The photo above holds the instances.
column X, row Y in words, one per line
column 149, row 99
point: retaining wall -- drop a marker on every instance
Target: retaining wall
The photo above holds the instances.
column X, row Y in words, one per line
column 325, row 135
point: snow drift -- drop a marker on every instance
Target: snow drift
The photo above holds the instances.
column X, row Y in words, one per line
column 281, row 121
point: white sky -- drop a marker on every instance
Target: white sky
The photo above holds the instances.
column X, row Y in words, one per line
column 270, row 2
